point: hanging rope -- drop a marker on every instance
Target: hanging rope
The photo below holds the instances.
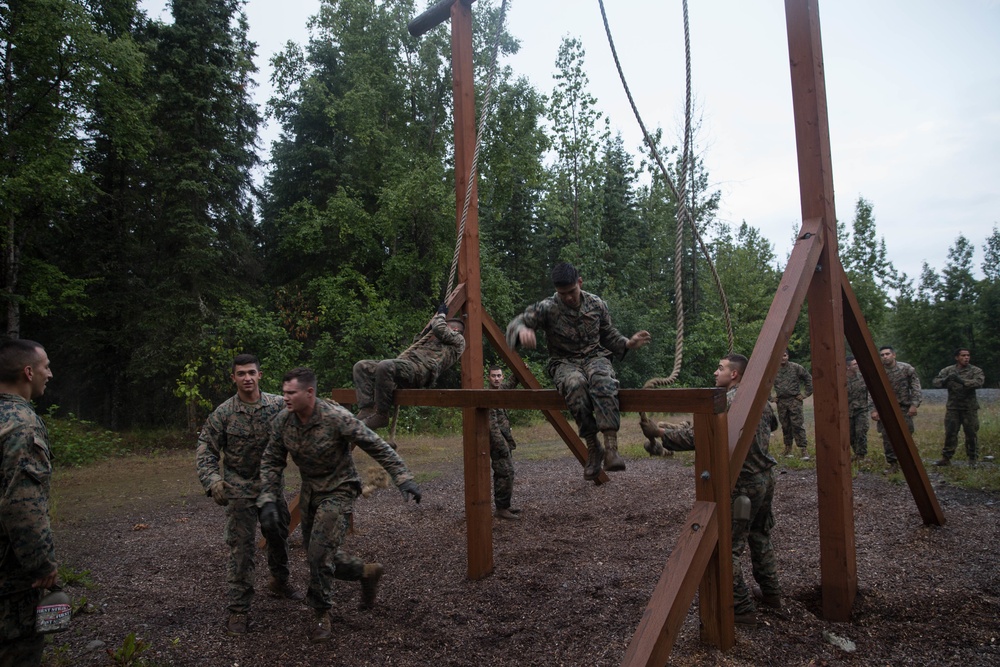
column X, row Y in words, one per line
column 479, row 141
column 680, row 195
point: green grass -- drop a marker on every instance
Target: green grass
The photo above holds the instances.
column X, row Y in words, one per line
column 928, row 436
column 73, row 577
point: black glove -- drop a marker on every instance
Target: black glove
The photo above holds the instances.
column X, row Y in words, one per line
column 269, row 520
column 442, row 309
column 409, row 489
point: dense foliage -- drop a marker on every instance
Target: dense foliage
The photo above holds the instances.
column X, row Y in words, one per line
column 139, row 250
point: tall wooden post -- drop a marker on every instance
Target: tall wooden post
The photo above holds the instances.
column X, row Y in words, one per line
column 475, row 429
column 838, row 566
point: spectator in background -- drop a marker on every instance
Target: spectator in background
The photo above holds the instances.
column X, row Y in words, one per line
column 962, row 411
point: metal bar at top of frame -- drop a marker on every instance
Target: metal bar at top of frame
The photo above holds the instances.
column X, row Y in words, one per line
column 434, row 16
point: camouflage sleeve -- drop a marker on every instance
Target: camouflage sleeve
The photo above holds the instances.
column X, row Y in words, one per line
column 941, row 378
column 975, row 378
column 272, row 465
column 210, row 449
column 355, row 431
column 611, row 338
column 496, row 434
column 807, row 383
column 503, row 426
column 24, row 506
column 535, row 316
column 916, row 395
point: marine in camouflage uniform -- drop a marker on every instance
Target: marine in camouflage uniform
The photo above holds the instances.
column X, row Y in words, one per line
column 962, row 410
column 792, row 385
column 318, row 435
column 501, row 446
column 436, row 350
column 581, row 343
column 27, row 553
column 756, row 482
column 906, row 385
column 230, row 447
column 859, row 406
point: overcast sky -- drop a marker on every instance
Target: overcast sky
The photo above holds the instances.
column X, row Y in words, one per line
column 913, row 91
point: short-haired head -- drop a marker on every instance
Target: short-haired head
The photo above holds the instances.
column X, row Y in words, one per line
column 564, row 274
column 886, row 347
column 15, row 355
column 245, row 360
column 960, row 350
column 850, row 358
column 304, row 376
column 492, row 368
column 456, row 323
column 737, row 362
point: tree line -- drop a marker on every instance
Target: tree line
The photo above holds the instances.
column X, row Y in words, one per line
column 140, row 251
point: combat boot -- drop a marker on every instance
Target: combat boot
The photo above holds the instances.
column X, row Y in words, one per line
column 595, row 456
column 237, row 623
column 319, row 625
column 613, row 461
column 369, row 584
column 788, row 451
column 283, row 589
column 771, row 600
column 507, row 514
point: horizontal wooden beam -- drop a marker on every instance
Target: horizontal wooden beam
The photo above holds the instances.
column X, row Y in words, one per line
column 695, row 401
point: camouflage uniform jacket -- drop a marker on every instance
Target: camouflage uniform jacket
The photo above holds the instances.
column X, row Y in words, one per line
column 321, row 448
column 27, row 551
column 436, row 350
column 500, row 421
column 574, row 334
column 232, row 441
column 758, row 458
column 905, row 384
column 790, row 378
column 857, row 394
column 961, row 384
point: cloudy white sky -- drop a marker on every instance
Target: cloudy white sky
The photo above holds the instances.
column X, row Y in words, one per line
column 913, row 91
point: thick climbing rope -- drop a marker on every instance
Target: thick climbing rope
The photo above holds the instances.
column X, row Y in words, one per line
column 473, row 169
column 680, row 194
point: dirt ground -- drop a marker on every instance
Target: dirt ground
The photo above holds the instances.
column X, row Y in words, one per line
column 571, row 579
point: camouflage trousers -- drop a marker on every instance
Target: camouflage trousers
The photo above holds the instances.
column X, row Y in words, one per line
column 759, row 488
column 503, row 474
column 590, row 389
column 324, row 526
column 792, row 422
column 374, row 381
column 859, row 431
column 890, row 454
column 19, row 643
column 678, row 437
column 241, row 536
column 968, row 421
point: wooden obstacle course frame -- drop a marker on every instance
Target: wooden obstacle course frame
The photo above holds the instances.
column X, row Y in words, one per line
column 702, row 553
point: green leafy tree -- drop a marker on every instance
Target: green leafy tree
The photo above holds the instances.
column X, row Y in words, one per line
column 200, row 225
column 579, row 131
column 986, row 331
column 866, row 262
column 56, row 61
